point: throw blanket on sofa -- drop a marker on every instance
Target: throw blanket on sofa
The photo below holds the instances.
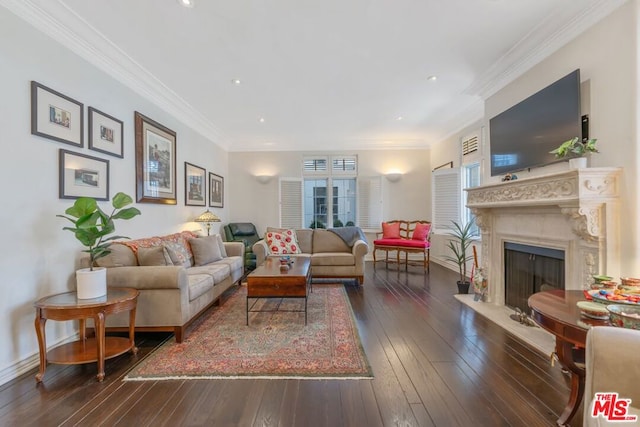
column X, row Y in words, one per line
column 349, row 234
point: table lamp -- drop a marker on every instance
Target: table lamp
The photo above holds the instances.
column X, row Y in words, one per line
column 208, row 217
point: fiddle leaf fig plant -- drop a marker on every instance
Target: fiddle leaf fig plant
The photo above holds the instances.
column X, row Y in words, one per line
column 577, row 147
column 91, row 225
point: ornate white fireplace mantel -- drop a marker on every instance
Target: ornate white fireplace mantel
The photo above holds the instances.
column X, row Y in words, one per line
column 575, row 211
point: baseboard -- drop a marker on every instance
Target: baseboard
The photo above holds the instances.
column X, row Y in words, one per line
column 23, row 366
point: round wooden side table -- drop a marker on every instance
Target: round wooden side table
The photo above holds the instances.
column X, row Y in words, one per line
column 67, row 306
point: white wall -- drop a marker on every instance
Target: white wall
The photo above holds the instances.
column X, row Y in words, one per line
column 249, row 200
column 37, row 258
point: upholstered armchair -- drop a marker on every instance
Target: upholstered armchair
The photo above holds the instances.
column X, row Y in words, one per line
column 246, row 233
column 612, row 367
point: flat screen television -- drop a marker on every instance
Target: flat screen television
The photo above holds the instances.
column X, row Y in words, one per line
column 522, row 136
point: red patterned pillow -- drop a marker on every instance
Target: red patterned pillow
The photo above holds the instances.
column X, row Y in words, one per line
column 421, row 231
column 283, row 243
column 390, row 230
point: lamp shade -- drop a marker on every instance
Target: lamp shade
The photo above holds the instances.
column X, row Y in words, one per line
column 207, row 216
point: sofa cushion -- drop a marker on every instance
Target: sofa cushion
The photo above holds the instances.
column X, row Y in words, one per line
column 234, row 262
column 332, row 258
column 156, row 255
column 390, row 230
column 404, row 243
column 178, row 254
column 199, row 284
column 305, row 240
column 284, row 243
column 421, row 232
column 218, row 271
column 205, row 250
column 120, row 256
column 326, row 241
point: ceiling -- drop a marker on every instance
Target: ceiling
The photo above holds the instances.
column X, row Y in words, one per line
column 323, row 75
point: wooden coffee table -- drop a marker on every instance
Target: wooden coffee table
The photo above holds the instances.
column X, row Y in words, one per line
column 67, row 306
column 268, row 281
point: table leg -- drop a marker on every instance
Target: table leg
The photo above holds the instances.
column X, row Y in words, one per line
column 100, row 343
column 564, row 350
column 247, row 311
column 305, row 311
column 132, row 330
column 82, row 329
column 42, row 343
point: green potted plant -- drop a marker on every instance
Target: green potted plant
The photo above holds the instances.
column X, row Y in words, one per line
column 576, row 149
column 91, row 226
column 459, row 245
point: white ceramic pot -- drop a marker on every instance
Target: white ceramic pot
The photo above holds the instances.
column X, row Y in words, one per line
column 578, row 163
column 91, row 284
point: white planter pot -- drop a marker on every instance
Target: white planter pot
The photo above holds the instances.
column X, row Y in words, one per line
column 91, row 284
column 578, row 163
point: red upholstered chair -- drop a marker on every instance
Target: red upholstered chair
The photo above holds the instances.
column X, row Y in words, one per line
column 406, row 237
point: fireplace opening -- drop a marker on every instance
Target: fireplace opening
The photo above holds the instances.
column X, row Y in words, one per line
column 530, row 269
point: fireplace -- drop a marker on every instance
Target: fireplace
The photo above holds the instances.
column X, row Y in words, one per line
column 530, row 269
column 573, row 212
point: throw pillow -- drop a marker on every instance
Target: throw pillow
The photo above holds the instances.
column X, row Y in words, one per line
column 156, row 255
column 421, row 231
column 178, row 254
column 390, row 230
column 284, row 243
column 205, row 250
column 223, row 250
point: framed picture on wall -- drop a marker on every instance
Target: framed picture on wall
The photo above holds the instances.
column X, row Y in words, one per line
column 82, row 176
column 106, row 133
column 56, row 116
column 216, row 191
column 155, row 161
column 195, row 185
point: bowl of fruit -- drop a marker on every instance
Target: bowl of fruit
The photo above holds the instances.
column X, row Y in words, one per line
column 624, row 316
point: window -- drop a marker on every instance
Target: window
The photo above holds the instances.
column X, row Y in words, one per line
column 470, row 178
column 316, row 203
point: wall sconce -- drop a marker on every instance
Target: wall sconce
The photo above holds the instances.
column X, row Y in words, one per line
column 208, row 217
column 393, row 177
column 264, row 179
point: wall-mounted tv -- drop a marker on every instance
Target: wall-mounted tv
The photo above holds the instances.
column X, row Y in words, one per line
column 522, row 136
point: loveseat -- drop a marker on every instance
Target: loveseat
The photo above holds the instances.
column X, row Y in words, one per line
column 332, row 256
column 179, row 276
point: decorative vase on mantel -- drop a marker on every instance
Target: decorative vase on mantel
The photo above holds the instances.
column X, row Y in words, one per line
column 91, row 283
column 578, row 162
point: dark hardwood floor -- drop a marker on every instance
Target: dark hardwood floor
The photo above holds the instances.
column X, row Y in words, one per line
column 436, row 363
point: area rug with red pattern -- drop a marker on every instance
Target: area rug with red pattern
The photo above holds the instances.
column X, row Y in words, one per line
column 276, row 344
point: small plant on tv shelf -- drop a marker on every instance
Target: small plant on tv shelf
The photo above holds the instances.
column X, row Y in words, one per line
column 575, row 147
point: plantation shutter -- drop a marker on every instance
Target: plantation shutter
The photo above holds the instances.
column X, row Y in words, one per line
column 447, row 198
column 290, row 203
column 370, row 202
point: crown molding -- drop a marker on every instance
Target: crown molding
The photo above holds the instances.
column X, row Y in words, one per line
column 62, row 24
column 541, row 42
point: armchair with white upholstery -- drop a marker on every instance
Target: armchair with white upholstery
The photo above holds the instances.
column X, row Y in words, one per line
column 612, row 366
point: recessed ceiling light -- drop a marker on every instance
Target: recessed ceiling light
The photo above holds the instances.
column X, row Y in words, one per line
column 236, row 82
column 187, row 3
column 432, row 78
column 261, row 120
column 399, row 118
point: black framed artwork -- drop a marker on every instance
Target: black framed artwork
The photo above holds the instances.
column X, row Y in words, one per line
column 56, row 116
column 216, row 191
column 82, row 176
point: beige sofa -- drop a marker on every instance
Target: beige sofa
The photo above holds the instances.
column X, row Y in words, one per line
column 179, row 276
column 330, row 255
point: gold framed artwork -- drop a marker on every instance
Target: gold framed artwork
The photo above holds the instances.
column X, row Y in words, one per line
column 155, row 161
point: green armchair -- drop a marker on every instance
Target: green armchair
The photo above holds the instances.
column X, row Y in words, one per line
column 246, row 233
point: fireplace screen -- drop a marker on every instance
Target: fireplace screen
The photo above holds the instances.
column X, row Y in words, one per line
column 530, row 269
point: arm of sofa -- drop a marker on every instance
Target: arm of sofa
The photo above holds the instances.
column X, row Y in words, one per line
column 261, row 250
column 234, row 248
column 612, row 364
column 359, row 250
column 148, row 277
